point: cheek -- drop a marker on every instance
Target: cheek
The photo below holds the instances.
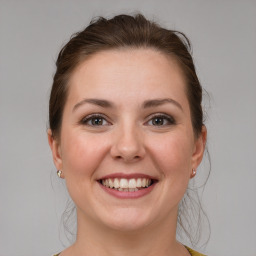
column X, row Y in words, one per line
column 173, row 156
column 81, row 154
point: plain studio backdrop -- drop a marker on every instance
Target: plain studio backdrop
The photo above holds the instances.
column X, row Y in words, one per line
column 32, row 198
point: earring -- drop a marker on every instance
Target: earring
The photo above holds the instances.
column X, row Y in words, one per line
column 59, row 172
column 193, row 173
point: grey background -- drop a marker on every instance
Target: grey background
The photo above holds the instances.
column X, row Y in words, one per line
column 32, row 198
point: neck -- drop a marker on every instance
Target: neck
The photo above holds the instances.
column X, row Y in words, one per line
column 155, row 239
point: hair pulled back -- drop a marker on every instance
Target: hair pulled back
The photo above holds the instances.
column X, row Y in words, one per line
column 123, row 31
column 135, row 32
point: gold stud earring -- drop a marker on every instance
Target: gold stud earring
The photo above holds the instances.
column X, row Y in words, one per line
column 59, row 172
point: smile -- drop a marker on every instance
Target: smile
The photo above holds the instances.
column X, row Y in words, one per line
column 127, row 185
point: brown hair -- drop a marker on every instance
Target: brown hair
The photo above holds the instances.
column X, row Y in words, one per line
column 124, row 31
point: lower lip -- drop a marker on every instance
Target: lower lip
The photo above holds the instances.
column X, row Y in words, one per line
column 128, row 195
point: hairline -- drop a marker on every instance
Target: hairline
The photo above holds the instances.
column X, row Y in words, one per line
column 171, row 57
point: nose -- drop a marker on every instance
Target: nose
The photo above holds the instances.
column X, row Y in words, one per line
column 128, row 144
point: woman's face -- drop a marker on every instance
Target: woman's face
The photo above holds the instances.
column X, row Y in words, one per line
column 127, row 146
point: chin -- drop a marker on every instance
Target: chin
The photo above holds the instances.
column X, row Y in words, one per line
column 127, row 220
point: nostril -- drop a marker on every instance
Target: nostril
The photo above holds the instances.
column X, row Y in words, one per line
column 127, row 158
column 127, row 150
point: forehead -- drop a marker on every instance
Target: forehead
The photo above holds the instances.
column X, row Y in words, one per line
column 127, row 74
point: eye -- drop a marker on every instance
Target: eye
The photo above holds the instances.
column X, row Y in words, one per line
column 161, row 120
column 95, row 120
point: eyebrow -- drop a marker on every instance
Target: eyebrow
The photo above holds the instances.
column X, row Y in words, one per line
column 146, row 104
column 159, row 102
column 97, row 102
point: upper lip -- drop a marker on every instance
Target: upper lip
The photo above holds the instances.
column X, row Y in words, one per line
column 127, row 176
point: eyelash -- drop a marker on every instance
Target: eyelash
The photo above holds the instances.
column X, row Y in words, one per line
column 168, row 120
column 87, row 119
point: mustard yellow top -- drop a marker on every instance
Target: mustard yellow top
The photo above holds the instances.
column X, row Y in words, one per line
column 192, row 252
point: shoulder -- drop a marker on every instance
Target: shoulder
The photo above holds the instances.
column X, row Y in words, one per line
column 194, row 253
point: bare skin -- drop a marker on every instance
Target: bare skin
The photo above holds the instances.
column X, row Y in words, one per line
column 127, row 114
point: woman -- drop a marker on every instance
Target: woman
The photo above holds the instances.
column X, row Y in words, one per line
column 127, row 135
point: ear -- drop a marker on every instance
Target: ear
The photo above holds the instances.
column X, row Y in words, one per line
column 199, row 148
column 56, row 152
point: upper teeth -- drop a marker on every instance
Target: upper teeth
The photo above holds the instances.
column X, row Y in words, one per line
column 126, row 183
